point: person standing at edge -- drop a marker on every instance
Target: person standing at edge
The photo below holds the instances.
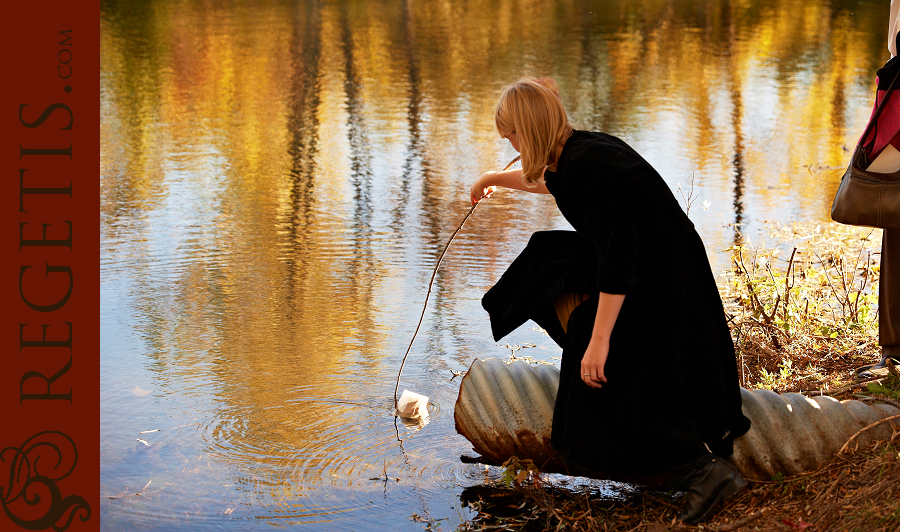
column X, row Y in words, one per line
column 648, row 380
column 882, row 149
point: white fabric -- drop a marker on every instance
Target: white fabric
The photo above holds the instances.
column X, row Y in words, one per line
column 894, row 27
column 888, row 160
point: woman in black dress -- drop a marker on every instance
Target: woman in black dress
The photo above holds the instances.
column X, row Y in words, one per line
column 648, row 384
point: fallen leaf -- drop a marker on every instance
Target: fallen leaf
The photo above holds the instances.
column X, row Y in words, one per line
column 801, row 526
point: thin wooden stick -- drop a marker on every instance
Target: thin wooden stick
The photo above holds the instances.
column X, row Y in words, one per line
column 431, row 282
column 867, row 427
column 824, row 495
column 882, row 400
column 836, row 391
column 734, row 525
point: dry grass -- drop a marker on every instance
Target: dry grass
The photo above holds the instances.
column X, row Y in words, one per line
column 803, row 320
column 859, row 490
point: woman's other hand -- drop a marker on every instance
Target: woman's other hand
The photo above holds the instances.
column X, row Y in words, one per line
column 594, row 359
column 593, row 362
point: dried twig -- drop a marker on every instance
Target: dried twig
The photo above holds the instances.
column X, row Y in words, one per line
column 847, row 388
column 688, row 201
column 867, row 427
column 742, row 521
column 766, row 350
column 824, row 495
column 788, row 276
column 138, row 494
column 881, row 400
column 751, row 290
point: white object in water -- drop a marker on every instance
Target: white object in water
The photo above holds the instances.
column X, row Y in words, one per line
column 412, row 405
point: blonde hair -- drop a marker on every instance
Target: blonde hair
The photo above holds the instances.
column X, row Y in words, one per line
column 532, row 109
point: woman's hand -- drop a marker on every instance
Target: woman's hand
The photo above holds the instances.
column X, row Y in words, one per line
column 593, row 362
column 488, row 182
column 594, row 359
column 482, row 188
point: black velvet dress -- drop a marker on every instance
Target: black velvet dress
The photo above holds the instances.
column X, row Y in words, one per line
column 672, row 376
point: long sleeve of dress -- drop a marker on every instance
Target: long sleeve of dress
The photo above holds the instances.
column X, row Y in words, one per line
column 608, row 221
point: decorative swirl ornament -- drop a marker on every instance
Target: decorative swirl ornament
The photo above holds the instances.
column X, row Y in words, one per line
column 34, row 469
column 507, row 410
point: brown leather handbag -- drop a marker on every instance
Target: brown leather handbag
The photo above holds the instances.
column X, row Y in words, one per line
column 867, row 198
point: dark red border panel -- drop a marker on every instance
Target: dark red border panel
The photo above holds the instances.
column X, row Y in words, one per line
column 50, row 274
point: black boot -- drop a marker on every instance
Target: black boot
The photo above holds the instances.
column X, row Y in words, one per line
column 713, row 481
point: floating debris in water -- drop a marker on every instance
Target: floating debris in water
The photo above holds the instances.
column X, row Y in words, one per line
column 412, row 405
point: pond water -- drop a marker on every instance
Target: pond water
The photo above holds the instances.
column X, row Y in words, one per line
column 278, row 179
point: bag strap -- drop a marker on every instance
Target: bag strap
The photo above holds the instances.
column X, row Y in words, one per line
column 880, row 107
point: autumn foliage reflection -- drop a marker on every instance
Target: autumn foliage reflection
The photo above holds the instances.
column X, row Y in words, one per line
column 277, row 178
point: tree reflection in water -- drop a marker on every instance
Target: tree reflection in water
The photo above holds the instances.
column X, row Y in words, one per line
column 277, row 179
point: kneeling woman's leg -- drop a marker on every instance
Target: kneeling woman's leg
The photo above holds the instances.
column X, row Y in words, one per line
column 565, row 304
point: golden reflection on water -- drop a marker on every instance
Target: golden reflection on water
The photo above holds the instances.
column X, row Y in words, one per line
column 277, row 179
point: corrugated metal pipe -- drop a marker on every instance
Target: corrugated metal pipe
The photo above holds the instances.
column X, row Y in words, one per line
column 507, row 409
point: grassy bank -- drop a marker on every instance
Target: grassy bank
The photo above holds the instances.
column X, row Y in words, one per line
column 802, row 309
column 857, row 491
